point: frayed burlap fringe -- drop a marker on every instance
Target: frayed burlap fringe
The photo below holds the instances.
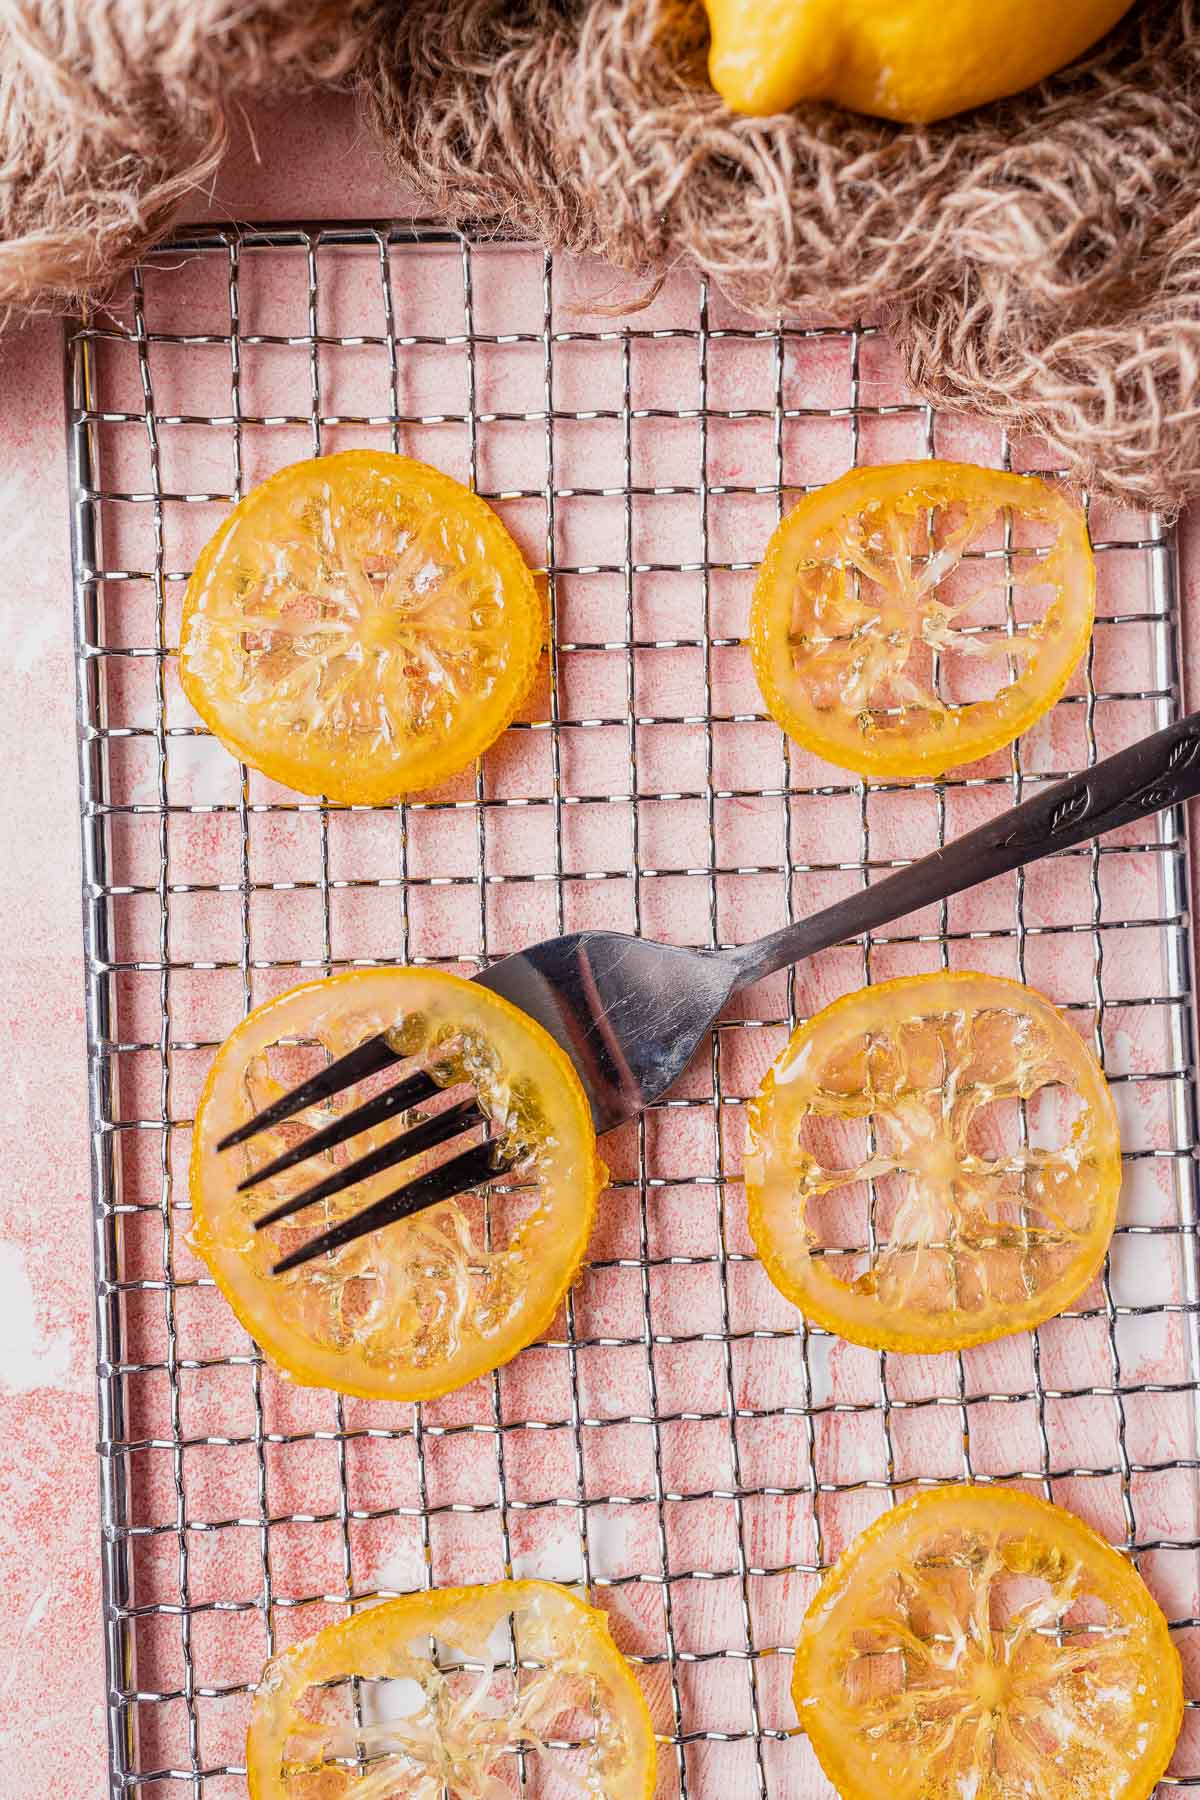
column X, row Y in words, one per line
column 113, row 111
column 1037, row 261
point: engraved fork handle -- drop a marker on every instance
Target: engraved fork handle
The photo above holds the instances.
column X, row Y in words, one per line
column 1160, row 771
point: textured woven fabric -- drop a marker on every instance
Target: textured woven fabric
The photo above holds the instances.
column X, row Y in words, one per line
column 113, row 111
column 1036, row 261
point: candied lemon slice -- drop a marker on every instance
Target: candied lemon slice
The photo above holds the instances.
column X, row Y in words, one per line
column 361, row 626
column 978, row 1642
column 933, row 1162
column 431, row 1301
column 913, row 617
column 527, row 1678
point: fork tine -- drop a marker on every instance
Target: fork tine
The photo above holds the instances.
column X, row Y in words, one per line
column 454, row 1177
column 421, row 1136
column 372, row 1112
column 366, row 1059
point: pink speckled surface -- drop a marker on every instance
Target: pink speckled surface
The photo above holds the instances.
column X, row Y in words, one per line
column 51, row 1672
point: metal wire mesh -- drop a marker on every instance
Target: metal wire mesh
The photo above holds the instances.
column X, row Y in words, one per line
column 683, row 1442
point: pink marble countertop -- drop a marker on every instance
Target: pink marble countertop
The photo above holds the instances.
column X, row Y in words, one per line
column 52, row 1718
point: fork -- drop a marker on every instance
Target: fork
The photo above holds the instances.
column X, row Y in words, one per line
column 630, row 1013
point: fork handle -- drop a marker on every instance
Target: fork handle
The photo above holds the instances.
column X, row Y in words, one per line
column 1160, row 771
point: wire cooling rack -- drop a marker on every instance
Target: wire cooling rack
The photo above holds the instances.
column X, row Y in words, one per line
column 682, row 1441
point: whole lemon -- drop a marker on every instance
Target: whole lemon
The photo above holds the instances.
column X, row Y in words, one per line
column 910, row 60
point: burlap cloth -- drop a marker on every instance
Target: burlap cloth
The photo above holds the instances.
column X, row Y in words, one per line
column 1037, row 261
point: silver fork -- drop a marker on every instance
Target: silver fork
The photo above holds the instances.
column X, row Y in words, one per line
column 630, row 1013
